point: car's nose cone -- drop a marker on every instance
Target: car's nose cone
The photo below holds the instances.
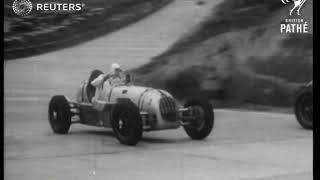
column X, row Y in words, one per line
column 168, row 108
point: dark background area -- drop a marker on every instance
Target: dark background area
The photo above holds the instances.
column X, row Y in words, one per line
column 237, row 56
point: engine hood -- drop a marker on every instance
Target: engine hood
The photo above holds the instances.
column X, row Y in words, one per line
column 155, row 102
column 141, row 96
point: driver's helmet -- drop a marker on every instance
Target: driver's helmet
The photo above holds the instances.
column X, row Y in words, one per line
column 115, row 67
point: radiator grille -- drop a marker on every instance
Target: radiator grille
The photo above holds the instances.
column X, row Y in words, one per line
column 168, row 109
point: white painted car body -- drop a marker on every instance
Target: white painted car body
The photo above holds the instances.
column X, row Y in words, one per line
column 148, row 101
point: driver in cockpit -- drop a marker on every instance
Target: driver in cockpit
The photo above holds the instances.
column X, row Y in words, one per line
column 108, row 80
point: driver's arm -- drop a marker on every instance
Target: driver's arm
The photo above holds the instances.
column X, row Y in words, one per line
column 106, row 77
column 99, row 80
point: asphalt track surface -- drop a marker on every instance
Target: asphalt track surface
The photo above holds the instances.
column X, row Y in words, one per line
column 244, row 145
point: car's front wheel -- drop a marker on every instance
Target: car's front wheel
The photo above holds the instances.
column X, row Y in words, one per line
column 202, row 115
column 59, row 114
column 127, row 124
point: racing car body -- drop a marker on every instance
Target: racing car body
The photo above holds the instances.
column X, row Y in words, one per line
column 158, row 105
column 129, row 110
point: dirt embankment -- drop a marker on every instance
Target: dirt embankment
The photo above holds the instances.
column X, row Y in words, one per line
column 44, row 31
column 237, row 56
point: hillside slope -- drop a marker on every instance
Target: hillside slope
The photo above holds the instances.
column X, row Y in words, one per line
column 237, row 56
column 45, row 31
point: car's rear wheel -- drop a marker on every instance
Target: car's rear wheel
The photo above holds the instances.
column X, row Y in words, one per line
column 202, row 121
column 59, row 114
column 127, row 124
column 304, row 109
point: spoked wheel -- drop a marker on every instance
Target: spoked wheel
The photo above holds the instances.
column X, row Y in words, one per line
column 202, row 121
column 304, row 109
column 59, row 115
column 127, row 124
column 198, row 114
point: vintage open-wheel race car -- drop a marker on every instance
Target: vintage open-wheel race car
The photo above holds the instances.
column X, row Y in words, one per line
column 303, row 107
column 130, row 110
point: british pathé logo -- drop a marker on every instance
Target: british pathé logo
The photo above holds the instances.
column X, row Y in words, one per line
column 297, row 5
column 294, row 25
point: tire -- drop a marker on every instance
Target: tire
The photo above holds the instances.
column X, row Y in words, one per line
column 200, row 129
column 59, row 114
column 303, row 108
column 127, row 124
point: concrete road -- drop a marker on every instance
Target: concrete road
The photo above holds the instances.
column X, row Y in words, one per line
column 243, row 145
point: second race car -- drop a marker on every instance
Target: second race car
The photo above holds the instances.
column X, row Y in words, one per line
column 303, row 107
